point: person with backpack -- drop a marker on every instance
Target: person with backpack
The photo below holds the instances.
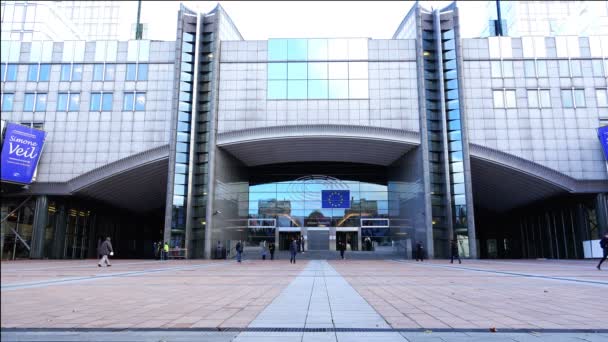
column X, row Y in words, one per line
column 604, row 245
column 239, row 251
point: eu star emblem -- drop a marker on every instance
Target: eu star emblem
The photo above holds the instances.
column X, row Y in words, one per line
column 335, row 199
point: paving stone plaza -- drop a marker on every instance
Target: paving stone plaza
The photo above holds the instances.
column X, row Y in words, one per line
column 313, row 300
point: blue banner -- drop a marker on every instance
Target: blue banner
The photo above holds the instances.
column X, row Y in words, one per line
column 20, row 153
column 335, row 199
column 602, row 133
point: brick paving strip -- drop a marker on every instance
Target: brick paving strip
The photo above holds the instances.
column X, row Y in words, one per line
column 317, row 305
column 482, row 295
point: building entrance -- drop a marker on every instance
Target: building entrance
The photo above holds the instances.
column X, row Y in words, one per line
column 285, row 239
column 349, row 239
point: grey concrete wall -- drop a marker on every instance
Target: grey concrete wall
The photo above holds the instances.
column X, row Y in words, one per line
column 78, row 142
column 564, row 139
column 392, row 103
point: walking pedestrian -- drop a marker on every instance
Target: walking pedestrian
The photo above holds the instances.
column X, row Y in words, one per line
column 293, row 249
column 419, row 251
column 302, row 244
column 604, row 245
column 105, row 250
column 239, row 251
column 455, row 254
column 263, row 250
column 159, row 250
column 271, row 249
column 218, row 250
column 341, row 248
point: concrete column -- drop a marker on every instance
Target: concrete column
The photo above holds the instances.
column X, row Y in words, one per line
column 39, row 226
column 59, row 236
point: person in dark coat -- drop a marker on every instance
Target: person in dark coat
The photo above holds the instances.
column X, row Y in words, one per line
column 341, row 248
column 105, row 250
column 454, row 248
column 293, row 250
column 419, row 251
column 604, row 245
column 271, row 249
column 239, row 251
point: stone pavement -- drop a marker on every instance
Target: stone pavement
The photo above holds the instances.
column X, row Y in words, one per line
column 350, row 300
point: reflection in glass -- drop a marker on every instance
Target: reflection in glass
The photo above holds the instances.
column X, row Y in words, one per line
column 297, row 49
column 296, row 71
column 277, row 49
column 579, row 98
column 317, row 70
column 338, row 89
column 296, row 89
column 317, row 49
column 277, row 71
column 277, row 90
column 338, row 71
column 318, row 89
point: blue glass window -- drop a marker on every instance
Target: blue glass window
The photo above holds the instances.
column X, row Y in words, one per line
column 66, row 72
column 7, row 102
column 106, row 102
column 318, row 89
column 74, row 102
column 277, row 49
column 140, row 101
column 131, row 72
column 28, row 102
column 10, row 74
column 277, row 71
column 182, row 147
column 142, row 72
column 68, row 102
column 101, row 101
column 62, row 102
column 76, row 72
column 277, row 90
column 297, row 49
column 128, row 101
column 45, row 72
column 296, row 89
column 32, row 72
column 183, row 126
column 98, row 72
column 567, row 98
column 109, row 72
column 40, row 102
column 296, row 71
column 95, row 102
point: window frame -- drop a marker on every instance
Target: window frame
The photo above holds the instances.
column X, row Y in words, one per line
column 597, row 99
column 104, row 72
column 35, row 102
column 102, row 96
column 3, row 100
column 68, row 103
column 133, row 105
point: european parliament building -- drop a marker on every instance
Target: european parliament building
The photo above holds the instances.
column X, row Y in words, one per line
column 499, row 143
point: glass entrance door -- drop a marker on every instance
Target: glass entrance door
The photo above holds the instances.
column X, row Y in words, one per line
column 349, row 239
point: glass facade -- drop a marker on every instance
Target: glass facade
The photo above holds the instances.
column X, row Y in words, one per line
column 182, row 149
column 300, row 69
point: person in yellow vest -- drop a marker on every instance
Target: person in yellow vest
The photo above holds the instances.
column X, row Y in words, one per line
column 165, row 251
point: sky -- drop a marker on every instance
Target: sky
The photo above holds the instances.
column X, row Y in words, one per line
column 260, row 20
